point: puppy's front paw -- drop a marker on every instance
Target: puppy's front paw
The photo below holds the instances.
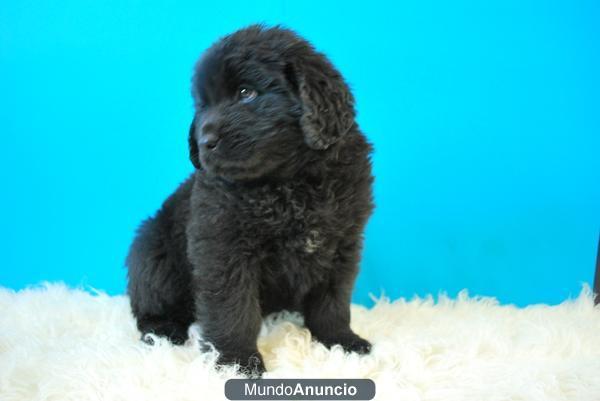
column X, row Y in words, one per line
column 251, row 365
column 358, row 345
column 175, row 333
column 350, row 342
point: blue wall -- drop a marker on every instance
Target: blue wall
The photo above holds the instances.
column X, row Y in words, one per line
column 485, row 117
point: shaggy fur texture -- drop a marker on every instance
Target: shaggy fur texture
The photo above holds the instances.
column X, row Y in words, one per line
column 273, row 217
column 62, row 344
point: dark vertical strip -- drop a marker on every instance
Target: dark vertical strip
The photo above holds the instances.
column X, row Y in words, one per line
column 597, row 277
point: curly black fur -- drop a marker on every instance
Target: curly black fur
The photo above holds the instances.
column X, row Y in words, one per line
column 273, row 216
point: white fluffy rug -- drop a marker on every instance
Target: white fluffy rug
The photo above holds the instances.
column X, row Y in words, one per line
column 62, row 344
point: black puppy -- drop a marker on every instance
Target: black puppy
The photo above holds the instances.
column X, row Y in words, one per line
column 273, row 216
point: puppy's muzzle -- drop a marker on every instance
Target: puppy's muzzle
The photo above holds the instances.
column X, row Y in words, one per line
column 208, row 138
column 209, row 141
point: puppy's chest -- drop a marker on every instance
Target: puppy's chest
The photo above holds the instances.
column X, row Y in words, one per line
column 289, row 233
column 286, row 219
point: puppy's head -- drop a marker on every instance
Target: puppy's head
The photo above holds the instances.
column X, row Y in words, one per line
column 265, row 102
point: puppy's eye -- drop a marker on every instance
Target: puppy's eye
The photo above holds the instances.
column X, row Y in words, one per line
column 247, row 95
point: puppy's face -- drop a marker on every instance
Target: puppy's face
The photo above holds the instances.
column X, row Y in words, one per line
column 247, row 116
column 257, row 113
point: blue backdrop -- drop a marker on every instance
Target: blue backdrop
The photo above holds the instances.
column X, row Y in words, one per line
column 485, row 117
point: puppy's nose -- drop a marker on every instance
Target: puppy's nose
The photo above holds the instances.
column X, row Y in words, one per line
column 209, row 141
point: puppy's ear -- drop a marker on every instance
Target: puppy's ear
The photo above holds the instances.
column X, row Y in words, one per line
column 193, row 145
column 327, row 104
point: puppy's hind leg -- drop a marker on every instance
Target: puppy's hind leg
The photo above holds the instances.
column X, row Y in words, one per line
column 159, row 287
